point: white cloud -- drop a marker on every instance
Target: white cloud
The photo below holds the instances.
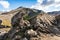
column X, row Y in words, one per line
column 5, row 4
column 7, row 10
column 57, row 0
column 50, row 5
column 40, row 1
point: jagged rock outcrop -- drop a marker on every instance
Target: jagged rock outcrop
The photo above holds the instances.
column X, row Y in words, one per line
column 46, row 22
column 29, row 24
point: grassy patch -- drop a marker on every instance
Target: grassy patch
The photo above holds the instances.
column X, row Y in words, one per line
column 6, row 22
column 26, row 17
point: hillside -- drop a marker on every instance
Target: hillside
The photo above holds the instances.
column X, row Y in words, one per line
column 30, row 24
column 6, row 17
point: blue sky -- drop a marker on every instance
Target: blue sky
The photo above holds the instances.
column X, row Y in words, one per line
column 13, row 4
column 24, row 3
column 45, row 5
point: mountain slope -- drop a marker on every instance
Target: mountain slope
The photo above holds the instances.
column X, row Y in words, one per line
column 6, row 17
column 30, row 24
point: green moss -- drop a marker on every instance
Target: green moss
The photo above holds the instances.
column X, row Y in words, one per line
column 27, row 17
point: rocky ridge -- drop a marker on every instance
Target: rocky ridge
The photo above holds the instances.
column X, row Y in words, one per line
column 32, row 24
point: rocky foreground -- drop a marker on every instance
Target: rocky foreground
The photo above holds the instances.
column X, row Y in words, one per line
column 32, row 24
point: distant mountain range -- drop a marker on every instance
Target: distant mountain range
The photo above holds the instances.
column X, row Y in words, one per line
column 54, row 13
